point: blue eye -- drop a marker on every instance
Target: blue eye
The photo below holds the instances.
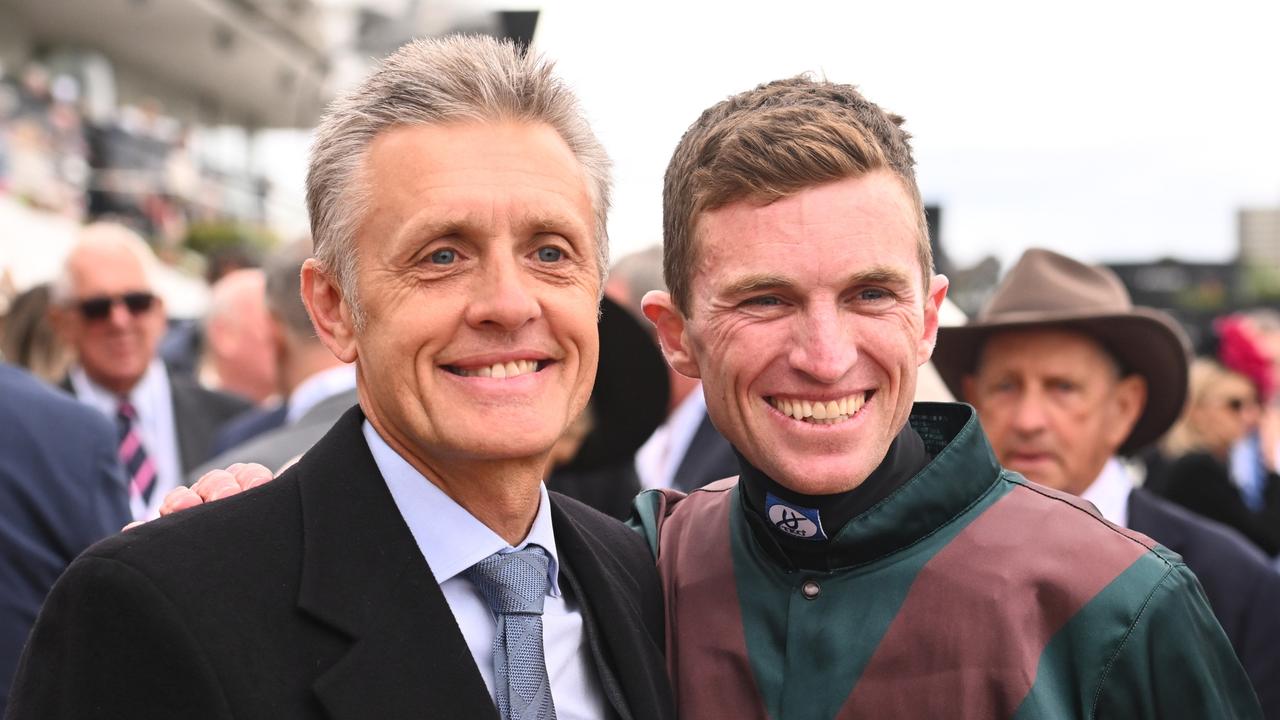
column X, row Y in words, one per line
column 550, row 254
column 765, row 300
column 443, row 257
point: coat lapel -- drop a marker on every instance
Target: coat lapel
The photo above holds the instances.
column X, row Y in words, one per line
column 364, row 576
column 623, row 646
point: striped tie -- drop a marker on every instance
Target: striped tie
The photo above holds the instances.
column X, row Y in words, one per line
column 138, row 466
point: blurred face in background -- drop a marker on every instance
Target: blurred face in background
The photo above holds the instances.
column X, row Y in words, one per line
column 1053, row 405
column 238, row 336
column 112, row 321
column 1224, row 413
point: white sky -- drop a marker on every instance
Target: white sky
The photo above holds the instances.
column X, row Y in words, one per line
column 1108, row 130
column 1122, row 130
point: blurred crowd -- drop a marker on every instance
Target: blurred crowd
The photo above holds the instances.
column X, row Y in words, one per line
column 134, row 162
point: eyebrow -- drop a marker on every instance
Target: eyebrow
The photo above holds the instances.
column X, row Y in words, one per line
column 878, row 275
column 875, row 275
column 756, row 283
column 466, row 224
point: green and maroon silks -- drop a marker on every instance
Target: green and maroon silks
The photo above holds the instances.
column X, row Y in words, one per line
column 973, row 594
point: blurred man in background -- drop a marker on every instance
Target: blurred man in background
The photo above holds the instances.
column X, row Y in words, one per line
column 238, row 353
column 687, row 451
column 1067, row 375
column 61, row 490
column 317, row 386
column 107, row 312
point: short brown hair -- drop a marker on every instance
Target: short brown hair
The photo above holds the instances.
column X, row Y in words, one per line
column 771, row 142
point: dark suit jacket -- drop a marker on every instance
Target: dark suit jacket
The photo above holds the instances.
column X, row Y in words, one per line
column 1202, row 484
column 1243, row 589
column 197, row 413
column 61, row 490
column 308, row 598
column 709, row 458
column 247, row 426
column 612, row 489
column 275, row 448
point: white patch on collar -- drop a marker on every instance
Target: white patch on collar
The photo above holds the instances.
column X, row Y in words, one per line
column 793, row 520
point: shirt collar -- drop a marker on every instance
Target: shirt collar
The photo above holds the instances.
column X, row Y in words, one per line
column 154, row 382
column 450, row 538
column 1110, row 493
column 316, row 389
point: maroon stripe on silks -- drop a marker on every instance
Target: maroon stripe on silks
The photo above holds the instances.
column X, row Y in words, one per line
column 968, row 638
column 706, row 647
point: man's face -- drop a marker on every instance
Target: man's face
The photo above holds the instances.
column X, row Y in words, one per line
column 240, row 338
column 477, row 274
column 114, row 350
column 807, row 323
column 1052, row 405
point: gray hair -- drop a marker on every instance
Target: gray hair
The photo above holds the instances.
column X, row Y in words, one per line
column 432, row 82
column 284, row 288
column 640, row 272
column 100, row 235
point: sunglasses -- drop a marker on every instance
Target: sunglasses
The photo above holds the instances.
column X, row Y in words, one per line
column 1238, row 404
column 99, row 308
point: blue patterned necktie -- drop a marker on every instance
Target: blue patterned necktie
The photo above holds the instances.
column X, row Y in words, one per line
column 514, row 585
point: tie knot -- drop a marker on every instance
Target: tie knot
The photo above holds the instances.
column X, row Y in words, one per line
column 514, row 582
column 125, row 410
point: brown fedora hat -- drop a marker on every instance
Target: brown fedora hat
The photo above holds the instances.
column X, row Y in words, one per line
column 1048, row 290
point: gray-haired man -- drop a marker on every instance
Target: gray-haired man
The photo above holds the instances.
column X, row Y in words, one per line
column 457, row 203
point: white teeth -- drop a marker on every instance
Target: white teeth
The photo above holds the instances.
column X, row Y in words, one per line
column 502, row 370
column 821, row 413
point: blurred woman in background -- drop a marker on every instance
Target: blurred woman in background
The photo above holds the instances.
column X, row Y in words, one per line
column 1222, row 408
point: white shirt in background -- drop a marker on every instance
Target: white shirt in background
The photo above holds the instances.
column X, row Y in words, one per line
column 1110, row 492
column 152, row 398
column 659, row 458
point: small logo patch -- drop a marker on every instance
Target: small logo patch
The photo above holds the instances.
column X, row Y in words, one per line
column 798, row 522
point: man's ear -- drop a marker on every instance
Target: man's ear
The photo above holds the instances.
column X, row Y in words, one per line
column 932, row 305
column 1129, row 399
column 670, row 324
column 329, row 311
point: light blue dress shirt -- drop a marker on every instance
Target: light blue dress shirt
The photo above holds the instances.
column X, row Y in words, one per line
column 452, row 540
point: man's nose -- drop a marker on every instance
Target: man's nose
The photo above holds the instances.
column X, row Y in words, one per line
column 825, row 344
column 503, row 296
column 119, row 316
column 1029, row 415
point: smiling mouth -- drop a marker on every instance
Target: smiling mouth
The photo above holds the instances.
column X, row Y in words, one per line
column 820, row 412
column 514, row 368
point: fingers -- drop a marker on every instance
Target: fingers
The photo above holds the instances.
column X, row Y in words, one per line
column 215, row 484
column 249, row 475
column 179, row 499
